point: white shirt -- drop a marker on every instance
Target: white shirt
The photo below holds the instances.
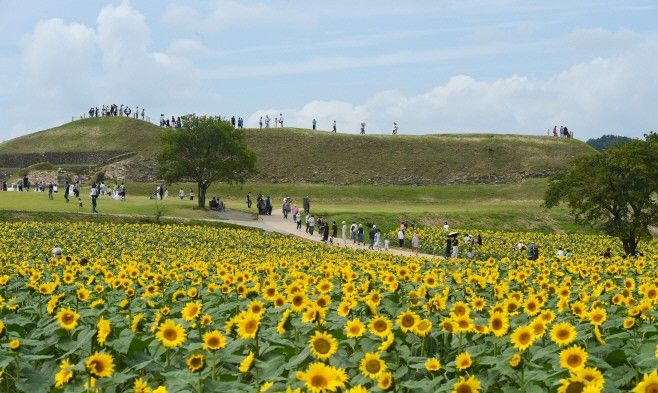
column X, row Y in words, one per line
column 560, row 253
column 400, row 235
column 446, row 227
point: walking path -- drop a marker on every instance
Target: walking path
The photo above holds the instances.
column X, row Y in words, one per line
column 276, row 223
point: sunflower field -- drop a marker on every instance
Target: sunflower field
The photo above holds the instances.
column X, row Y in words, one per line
column 174, row 308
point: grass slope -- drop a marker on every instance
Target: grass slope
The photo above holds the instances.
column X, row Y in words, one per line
column 288, row 155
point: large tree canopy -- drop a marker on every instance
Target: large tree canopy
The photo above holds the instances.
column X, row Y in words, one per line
column 205, row 151
column 615, row 190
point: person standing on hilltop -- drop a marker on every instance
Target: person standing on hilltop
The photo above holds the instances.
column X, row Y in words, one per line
column 260, row 123
column 395, row 128
column 314, row 124
column 334, row 129
column 363, row 128
column 281, row 120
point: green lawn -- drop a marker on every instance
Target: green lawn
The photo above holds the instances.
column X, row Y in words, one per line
column 514, row 206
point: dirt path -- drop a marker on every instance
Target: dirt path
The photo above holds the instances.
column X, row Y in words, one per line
column 276, row 223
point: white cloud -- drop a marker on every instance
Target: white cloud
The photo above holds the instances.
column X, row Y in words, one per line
column 68, row 67
column 615, row 94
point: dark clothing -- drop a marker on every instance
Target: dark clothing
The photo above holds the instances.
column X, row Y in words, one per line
column 448, row 247
column 307, row 205
column 334, row 230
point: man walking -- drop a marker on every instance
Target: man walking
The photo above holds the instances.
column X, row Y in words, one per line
column 50, row 191
column 334, row 127
column 94, row 197
column 314, row 124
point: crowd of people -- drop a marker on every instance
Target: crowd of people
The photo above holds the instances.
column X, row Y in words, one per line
column 116, row 110
column 562, row 131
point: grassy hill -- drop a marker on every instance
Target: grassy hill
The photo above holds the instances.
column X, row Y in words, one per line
column 127, row 147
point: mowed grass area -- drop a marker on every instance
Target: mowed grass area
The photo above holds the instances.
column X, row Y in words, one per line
column 514, row 206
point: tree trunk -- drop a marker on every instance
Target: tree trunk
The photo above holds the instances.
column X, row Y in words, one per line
column 202, row 196
column 630, row 245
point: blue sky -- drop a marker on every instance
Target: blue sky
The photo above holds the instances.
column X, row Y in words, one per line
column 432, row 66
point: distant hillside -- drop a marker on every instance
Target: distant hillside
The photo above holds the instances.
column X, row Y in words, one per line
column 125, row 148
column 607, row 141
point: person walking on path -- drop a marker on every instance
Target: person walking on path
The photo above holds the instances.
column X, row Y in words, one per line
column 415, row 243
column 343, row 232
column 94, row 197
column 249, row 200
column 360, row 231
column 307, row 204
column 50, row 191
column 376, row 246
column 298, row 220
column 371, row 236
column 353, row 231
column 334, row 231
column 311, row 224
column 67, row 189
column 181, row 194
column 401, row 238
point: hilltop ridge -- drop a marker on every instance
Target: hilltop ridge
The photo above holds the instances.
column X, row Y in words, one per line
column 126, row 148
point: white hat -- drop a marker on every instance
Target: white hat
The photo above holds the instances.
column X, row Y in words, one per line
column 57, row 252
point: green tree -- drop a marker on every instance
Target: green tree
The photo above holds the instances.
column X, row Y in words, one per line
column 205, row 151
column 614, row 190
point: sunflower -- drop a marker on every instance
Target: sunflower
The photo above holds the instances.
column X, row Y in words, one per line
column 191, row 311
column 64, row 374
column 206, row 319
column 354, row 328
column 104, row 330
column 385, row 380
column 407, row 321
column 573, row 384
column 573, row 358
column 380, row 326
column 593, row 376
column 246, row 363
column 629, row 322
column 563, row 333
column 597, row 316
column 470, row 385
column 463, row 361
column 515, row 360
column 100, row 365
column 256, row 307
column 649, row 383
column 196, row 363
column 281, row 326
column 460, row 309
column 323, row 345
column 170, row 334
column 67, row 318
column 265, row 387
column 372, row 365
column 523, row 337
column 213, row 340
column 248, row 325
column 498, row 324
column 432, row 364
column 320, row 378
column 423, row 327
column 15, row 344
column 141, row 386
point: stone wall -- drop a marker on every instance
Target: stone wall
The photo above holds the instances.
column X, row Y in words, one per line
column 58, row 158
